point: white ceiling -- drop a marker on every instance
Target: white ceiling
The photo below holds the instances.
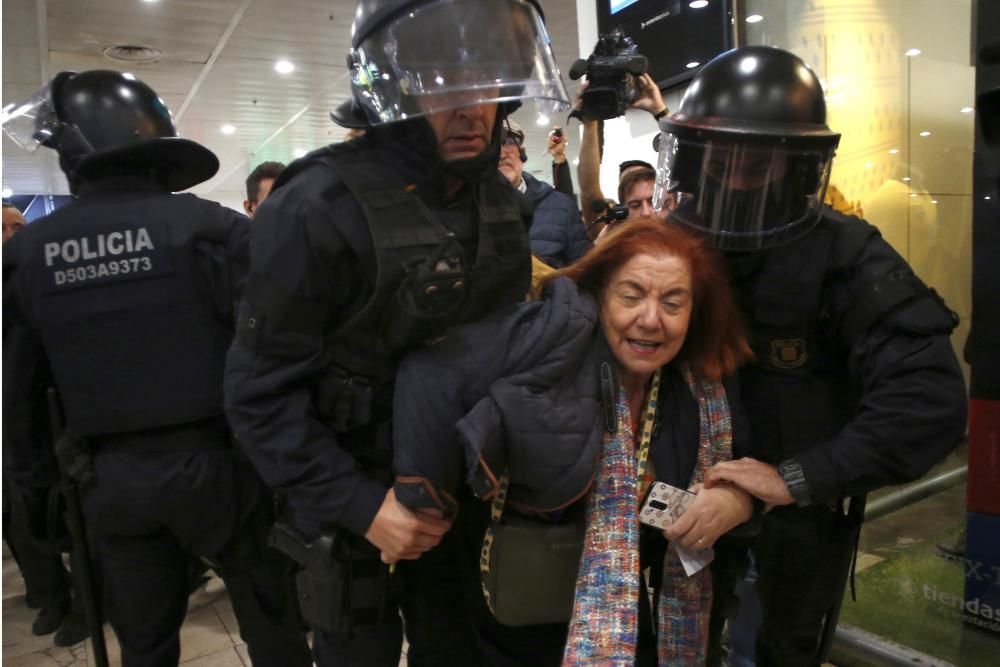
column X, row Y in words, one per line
column 217, row 67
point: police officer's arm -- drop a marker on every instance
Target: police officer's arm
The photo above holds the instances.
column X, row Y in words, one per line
column 913, row 403
column 27, row 444
column 913, row 406
column 226, row 261
column 300, row 277
column 238, row 253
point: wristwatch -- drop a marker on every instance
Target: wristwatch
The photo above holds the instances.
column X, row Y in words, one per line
column 795, row 480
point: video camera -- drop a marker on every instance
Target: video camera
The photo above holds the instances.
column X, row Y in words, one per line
column 611, row 70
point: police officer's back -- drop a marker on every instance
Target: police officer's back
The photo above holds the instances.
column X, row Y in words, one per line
column 131, row 290
column 855, row 384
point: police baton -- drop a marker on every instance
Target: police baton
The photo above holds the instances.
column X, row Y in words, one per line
column 69, row 473
column 855, row 519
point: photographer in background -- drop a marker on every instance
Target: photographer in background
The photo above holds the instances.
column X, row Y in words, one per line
column 557, row 236
column 647, row 98
column 562, row 180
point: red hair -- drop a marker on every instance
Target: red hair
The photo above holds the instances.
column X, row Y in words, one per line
column 716, row 343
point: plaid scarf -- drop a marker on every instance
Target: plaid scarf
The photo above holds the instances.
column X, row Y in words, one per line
column 604, row 626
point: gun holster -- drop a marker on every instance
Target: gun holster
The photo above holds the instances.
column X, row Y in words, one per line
column 343, row 586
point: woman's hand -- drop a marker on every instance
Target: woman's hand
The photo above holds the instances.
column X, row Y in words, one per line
column 714, row 511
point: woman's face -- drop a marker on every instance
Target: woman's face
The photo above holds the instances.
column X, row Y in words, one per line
column 645, row 311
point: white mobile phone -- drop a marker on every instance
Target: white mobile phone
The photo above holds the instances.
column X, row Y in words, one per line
column 664, row 505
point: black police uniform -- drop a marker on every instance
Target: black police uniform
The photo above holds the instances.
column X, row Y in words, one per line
column 856, row 380
column 131, row 292
column 357, row 254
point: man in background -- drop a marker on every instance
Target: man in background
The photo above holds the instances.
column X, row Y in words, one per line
column 259, row 184
column 13, row 221
column 557, row 234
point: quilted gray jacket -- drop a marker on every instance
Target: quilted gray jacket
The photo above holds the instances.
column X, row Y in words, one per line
column 519, row 392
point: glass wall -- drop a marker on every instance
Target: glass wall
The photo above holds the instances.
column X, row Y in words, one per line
column 899, row 77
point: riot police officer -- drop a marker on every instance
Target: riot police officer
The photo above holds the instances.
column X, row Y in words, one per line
column 855, row 384
column 362, row 250
column 129, row 293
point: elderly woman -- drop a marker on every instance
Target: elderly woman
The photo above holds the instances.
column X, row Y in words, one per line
column 521, row 394
column 669, row 321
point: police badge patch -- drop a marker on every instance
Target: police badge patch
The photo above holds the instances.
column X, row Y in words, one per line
column 788, row 352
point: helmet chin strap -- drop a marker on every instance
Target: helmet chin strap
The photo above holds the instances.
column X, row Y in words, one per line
column 72, row 147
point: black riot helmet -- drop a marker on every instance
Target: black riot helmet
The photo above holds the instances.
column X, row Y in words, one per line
column 748, row 153
column 101, row 120
column 409, row 58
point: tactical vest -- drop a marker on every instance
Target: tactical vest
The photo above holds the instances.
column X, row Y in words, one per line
column 799, row 392
column 424, row 283
column 127, row 292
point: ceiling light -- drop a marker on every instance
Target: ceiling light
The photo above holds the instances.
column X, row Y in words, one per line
column 8, row 193
column 284, row 67
column 542, row 119
column 755, row 18
column 150, row 0
column 934, row 201
column 906, row 179
column 228, row 129
column 913, row 194
column 966, row 110
column 893, row 151
column 869, row 165
column 912, row 52
column 692, row 64
column 925, row 133
column 698, row 4
column 987, row 197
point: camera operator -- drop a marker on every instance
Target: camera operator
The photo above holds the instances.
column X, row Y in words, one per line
column 647, row 98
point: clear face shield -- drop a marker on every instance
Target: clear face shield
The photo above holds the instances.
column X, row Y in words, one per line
column 456, row 53
column 33, row 122
column 745, row 195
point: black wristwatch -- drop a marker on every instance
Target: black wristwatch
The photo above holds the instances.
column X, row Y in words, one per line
column 795, row 480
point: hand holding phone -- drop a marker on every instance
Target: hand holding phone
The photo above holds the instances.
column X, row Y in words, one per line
column 664, row 505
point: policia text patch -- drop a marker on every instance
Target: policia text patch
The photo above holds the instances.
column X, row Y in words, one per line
column 121, row 253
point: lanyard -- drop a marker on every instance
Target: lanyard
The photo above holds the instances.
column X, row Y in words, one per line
column 646, row 433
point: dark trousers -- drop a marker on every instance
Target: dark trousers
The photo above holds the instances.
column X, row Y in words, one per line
column 447, row 621
column 376, row 647
column 46, row 580
column 150, row 512
column 800, row 556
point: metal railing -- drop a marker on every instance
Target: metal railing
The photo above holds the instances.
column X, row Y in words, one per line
column 914, row 493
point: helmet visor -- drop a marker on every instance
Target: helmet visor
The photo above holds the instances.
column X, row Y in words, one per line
column 33, row 122
column 745, row 195
column 450, row 54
